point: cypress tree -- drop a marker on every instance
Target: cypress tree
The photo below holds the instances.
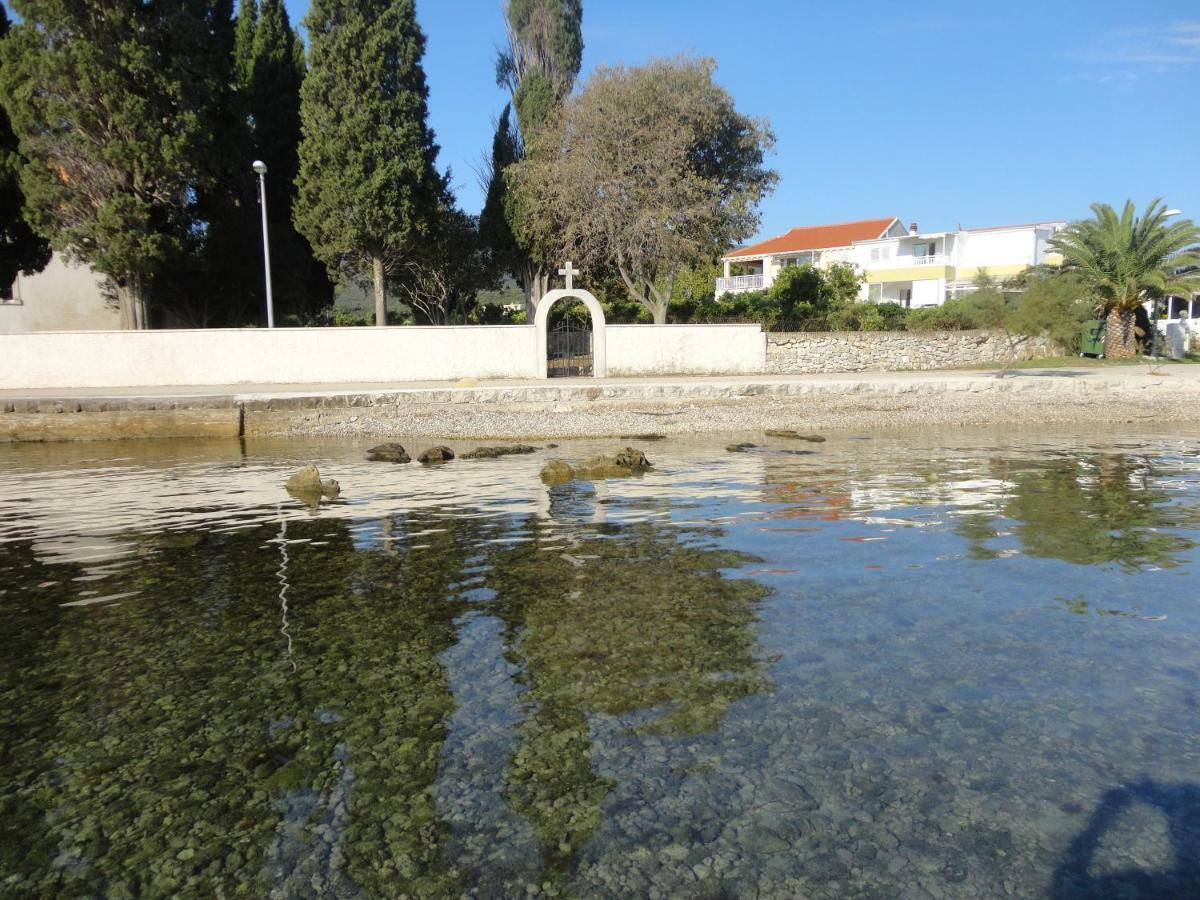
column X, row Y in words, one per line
column 368, row 187
column 21, row 248
column 111, row 101
column 539, row 68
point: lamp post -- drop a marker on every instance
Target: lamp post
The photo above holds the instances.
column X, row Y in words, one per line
column 261, row 168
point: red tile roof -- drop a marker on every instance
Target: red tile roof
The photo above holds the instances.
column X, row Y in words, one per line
column 817, row 237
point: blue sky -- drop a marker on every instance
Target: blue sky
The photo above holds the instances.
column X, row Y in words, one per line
column 974, row 113
column 979, row 113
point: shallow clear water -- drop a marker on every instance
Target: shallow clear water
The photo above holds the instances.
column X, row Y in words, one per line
column 957, row 664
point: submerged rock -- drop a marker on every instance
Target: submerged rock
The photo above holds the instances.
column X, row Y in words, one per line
column 556, row 471
column 626, row 462
column 435, row 455
column 740, row 448
column 493, row 452
column 794, row 435
column 390, row 452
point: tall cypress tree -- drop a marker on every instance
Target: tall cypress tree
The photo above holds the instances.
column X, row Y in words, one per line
column 110, row 100
column 21, row 248
column 539, row 68
column 368, row 187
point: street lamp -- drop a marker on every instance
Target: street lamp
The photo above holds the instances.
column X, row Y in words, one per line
column 261, row 168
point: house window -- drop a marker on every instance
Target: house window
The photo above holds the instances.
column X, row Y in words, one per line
column 923, row 248
column 880, row 253
column 875, row 292
column 906, row 297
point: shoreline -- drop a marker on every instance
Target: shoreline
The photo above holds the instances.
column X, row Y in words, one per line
column 583, row 408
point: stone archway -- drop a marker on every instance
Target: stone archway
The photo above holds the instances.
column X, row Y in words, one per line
column 542, row 321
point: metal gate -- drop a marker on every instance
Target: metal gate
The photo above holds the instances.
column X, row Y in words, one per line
column 569, row 345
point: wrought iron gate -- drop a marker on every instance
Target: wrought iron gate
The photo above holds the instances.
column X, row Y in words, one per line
column 569, row 345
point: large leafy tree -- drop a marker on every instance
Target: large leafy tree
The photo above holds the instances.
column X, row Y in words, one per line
column 1126, row 259
column 538, row 67
column 648, row 170
column 369, row 192
column 110, row 100
column 21, row 248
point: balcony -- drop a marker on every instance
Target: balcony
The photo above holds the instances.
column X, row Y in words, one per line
column 939, row 260
column 739, row 283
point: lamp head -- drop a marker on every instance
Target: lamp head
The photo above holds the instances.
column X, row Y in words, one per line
column 1173, row 212
column 259, row 166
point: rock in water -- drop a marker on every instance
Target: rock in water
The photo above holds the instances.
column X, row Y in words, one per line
column 330, row 488
column 389, row 452
column 493, row 452
column 794, row 435
column 626, row 462
column 740, row 448
column 557, row 472
column 306, row 481
column 435, row 455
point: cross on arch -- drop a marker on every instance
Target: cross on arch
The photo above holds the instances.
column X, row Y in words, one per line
column 569, row 272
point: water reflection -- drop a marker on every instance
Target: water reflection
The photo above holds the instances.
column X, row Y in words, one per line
column 458, row 680
column 1086, row 509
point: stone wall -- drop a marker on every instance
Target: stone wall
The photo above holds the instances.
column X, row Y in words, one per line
column 894, row 351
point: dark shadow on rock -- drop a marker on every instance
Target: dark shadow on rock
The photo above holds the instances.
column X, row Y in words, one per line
column 1180, row 806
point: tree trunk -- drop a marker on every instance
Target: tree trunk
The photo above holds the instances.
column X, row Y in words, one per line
column 1120, row 338
column 377, row 276
column 131, row 301
column 535, row 281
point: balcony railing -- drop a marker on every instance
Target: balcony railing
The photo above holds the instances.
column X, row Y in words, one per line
column 938, row 260
column 738, row 283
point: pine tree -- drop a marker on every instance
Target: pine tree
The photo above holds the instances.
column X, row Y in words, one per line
column 111, row 101
column 21, row 248
column 368, row 187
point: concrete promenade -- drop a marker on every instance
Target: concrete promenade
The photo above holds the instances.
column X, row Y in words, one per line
column 584, row 406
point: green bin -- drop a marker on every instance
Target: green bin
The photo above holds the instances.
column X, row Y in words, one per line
column 1093, row 339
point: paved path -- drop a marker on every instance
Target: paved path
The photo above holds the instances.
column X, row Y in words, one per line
column 1099, row 376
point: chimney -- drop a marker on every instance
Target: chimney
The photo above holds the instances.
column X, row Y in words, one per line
column 912, row 229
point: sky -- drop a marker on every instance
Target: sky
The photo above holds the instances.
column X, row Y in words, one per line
column 976, row 113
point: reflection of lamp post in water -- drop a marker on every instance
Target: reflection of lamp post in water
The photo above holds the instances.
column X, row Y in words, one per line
column 281, row 575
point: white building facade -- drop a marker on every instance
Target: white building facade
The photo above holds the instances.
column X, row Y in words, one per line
column 902, row 265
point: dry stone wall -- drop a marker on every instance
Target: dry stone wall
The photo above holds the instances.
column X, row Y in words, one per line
column 894, row 351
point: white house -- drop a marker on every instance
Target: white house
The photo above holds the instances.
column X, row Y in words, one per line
column 902, row 265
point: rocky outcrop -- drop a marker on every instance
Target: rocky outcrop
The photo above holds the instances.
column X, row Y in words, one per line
column 620, row 465
column 435, row 455
column 389, row 452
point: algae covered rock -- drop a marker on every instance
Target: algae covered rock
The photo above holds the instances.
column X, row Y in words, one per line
column 435, row 455
column 622, row 464
column 494, row 452
column 556, row 471
column 389, row 452
column 794, row 435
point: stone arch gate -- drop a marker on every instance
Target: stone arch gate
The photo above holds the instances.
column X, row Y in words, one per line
column 541, row 321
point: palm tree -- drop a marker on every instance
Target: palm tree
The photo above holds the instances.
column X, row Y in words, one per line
column 1126, row 260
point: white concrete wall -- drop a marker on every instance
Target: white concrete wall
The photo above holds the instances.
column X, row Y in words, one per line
column 928, row 292
column 686, row 350
column 261, row 356
column 202, row 357
column 1011, row 247
column 62, row 296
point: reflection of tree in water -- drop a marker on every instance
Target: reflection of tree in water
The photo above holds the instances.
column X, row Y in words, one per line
column 628, row 619
column 1087, row 510
column 164, row 743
